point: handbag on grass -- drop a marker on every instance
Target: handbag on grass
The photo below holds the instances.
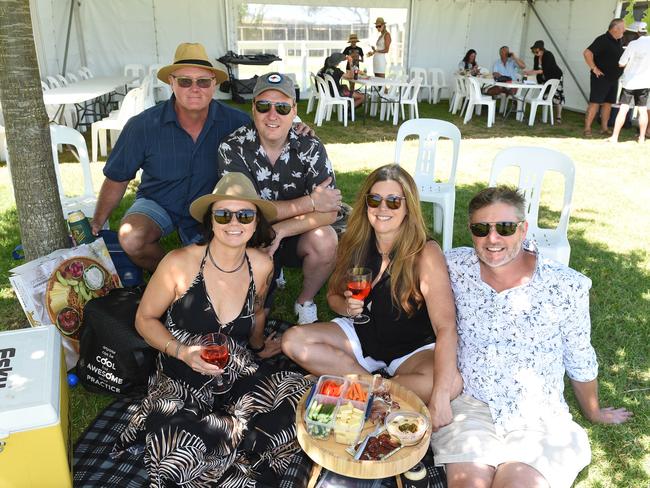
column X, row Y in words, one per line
column 113, row 357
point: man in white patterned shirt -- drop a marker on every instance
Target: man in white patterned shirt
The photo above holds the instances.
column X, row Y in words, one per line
column 523, row 321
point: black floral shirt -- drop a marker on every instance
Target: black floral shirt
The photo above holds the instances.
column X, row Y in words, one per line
column 302, row 165
column 515, row 346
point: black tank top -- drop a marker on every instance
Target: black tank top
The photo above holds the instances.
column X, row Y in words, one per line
column 193, row 315
column 391, row 333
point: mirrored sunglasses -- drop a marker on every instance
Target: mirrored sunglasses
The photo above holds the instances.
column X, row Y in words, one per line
column 224, row 216
column 392, row 201
column 504, row 229
column 186, row 82
column 263, row 106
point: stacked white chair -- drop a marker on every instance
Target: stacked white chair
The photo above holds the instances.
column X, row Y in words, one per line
column 85, row 73
column 86, row 202
column 441, row 193
column 476, row 99
column 132, row 104
column 533, row 163
column 161, row 90
column 137, row 71
column 66, row 114
column 437, row 83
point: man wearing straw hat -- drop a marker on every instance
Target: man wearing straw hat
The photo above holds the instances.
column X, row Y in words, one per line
column 294, row 171
column 175, row 145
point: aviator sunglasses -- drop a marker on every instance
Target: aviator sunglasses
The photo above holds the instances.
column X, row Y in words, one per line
column 392, row 201
column 224, row 216
column 263, row 106
column 504, row 229
column 186, row 82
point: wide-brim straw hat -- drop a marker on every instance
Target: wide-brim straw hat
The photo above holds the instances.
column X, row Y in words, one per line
column 353, row 38
column 191, row 54
column 233, row 186
column 380, row 20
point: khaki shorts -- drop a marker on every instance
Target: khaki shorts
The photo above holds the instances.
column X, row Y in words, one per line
column 559, row 453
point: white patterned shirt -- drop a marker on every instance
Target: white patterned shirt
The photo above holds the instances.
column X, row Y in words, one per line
column 515, row 346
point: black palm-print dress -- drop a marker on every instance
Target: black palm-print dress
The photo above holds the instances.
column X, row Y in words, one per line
column 194, row 437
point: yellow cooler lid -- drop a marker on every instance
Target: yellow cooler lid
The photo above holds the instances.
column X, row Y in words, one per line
column 30, row 376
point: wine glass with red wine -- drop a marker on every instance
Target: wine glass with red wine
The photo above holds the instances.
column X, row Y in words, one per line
column 214, row 350
column 359, row 282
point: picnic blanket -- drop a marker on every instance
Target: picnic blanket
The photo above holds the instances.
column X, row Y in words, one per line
column 93, row 466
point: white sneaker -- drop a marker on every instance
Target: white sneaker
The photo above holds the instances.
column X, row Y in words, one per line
column 307, row 312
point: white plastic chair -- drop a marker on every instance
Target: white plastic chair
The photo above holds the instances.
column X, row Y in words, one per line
column 441, row 194
column 161, row 90
column 44, row 86
column 62, row 80
column 437, row 83
column 533, row 162
column 550, row 87
column 395, row 71
column 460, row 97
column 135, row 70
column 148, row 98
column 53, row 82
column 334, row 89
column 476, row 99
column 326, row 102
column 60, row 134
column 132, row 104
column 313, row 93
column 421, row 74
column 409, row 96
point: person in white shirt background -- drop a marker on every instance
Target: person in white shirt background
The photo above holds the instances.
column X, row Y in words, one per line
column 635, row 80
column 523, row 322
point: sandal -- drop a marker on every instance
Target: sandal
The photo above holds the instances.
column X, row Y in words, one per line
column 586, row 133
column 606, row 132
column 558, row 120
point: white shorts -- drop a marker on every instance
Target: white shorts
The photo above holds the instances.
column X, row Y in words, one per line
column 558, row 453
column 368, row 363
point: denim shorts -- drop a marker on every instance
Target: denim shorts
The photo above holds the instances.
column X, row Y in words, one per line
column 162, row 219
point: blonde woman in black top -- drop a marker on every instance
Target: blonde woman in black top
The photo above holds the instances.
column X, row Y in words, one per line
column 412, row 330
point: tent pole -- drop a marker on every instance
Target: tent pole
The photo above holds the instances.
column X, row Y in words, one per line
column 67, row 38
column 531, row 4
column 409, row 34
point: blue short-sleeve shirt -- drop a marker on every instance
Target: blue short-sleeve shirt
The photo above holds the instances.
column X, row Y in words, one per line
column 175, row 169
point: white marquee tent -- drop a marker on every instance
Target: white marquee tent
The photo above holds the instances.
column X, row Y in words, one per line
column 106, row 35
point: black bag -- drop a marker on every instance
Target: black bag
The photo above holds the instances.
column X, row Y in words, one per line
column 502, row 79
column 113, row 357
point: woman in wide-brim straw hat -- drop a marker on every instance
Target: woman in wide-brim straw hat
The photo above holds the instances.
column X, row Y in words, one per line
column 382, row 47
column 215, row 286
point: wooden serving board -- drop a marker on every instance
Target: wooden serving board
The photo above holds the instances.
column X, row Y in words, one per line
column 333, row 456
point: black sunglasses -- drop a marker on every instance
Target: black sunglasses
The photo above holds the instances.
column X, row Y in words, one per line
column 263, row 106
column 504, row 229
column 392, row 201
column 224, row 216
column 187, row 82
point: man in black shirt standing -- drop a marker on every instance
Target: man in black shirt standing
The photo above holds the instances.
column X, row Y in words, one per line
column 602, row 57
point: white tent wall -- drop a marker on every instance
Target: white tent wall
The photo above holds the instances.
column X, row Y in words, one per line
column 573, row 26
column 118, row 32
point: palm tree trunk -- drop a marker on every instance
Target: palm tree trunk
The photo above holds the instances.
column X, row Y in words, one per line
column 42, row 226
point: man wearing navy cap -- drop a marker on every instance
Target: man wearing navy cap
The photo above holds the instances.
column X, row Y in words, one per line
column 294, row 171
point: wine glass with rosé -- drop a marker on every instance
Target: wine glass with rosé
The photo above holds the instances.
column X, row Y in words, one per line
column 214, row 350
column 359, row 281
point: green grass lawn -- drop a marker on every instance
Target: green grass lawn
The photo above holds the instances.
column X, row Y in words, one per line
column 609, row 234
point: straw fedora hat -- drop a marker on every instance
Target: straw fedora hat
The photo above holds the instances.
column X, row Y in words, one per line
column 233, row 186
column 191, row 54
column 380, row 20
column 353, row 38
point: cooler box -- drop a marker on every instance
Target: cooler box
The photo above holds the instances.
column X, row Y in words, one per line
column 35, row 450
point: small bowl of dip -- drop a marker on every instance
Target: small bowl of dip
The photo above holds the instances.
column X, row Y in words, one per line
column 408, row 427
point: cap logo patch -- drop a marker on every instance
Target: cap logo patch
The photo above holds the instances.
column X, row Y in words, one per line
column 275, row 78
